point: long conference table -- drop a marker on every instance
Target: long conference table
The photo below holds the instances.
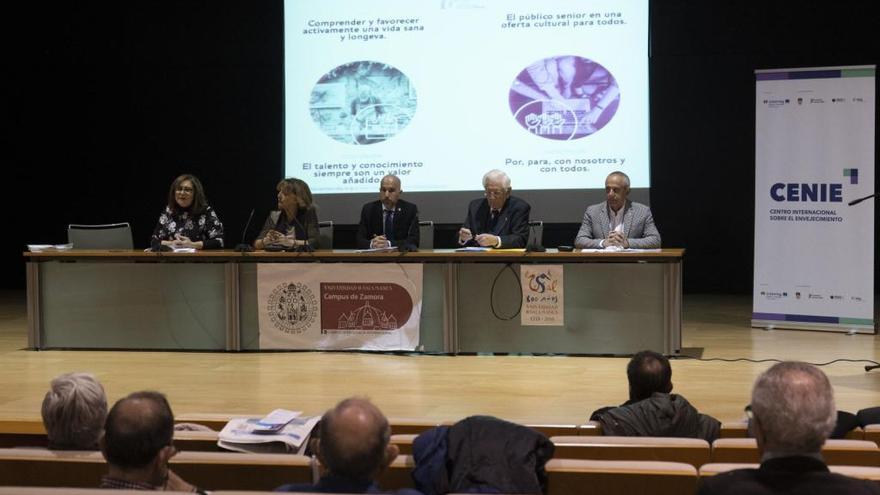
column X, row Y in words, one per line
column 614, row 303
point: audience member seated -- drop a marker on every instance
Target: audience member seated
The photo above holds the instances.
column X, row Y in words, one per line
column 74, row 411
column 652, row 409
column 188, row 221
column 137, row 445
column 792, row 413
column 354, row 449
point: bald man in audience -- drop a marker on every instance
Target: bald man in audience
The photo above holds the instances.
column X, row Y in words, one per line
column 354, row 449
column 74, row 410
column 791, row 414
column 137, row 445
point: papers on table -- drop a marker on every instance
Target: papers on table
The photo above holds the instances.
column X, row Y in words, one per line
column 238, row 435
column 470, row 249
column 624, row 250
column 39, row 248
column 377, row 250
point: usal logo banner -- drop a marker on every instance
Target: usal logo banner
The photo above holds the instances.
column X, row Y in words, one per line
column 367, row 306
column 543, row 296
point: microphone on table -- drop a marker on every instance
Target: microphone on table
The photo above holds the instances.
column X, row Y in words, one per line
column 534, row 246
column 242, row 247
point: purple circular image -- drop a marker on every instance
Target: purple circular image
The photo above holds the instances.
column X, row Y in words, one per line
column 564, row 97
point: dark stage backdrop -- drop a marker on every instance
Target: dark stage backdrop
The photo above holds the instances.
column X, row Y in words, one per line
column 111, row 100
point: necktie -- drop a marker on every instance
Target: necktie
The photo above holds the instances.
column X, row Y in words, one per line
column 493, row 218
column 389, row 224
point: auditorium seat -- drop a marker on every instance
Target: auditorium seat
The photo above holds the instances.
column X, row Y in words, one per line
column 735, row 429
column 691, row 451
column 16, row 439
column 590, row 429
column 197, row 441
column 872, row 433
column 411, row 426
column 739, row 429
column 555, row 430
column 399, row 474
column 835, row 452
column 210, row 470
column 217, row 421
column 404, row 442
column 202, row 441
column 214, row 421
column 575, row 477
column 860, row 472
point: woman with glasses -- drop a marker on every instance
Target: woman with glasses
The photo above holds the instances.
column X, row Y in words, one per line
column 294, row 225
column 188, row 221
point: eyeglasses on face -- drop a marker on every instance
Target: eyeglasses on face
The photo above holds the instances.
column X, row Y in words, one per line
column 494, row 193
column 184, row 189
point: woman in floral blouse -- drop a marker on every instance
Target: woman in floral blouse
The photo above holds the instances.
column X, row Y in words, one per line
column 188, row 221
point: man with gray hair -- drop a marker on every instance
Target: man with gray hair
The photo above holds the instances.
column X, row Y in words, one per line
column 791, row 414
column 73, row 412
column 498, row 220
column 617, row 222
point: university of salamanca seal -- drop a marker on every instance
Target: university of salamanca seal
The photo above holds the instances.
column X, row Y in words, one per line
column 292, row 307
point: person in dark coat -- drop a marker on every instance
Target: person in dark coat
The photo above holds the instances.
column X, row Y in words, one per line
column 652, row 409
column 792, row 413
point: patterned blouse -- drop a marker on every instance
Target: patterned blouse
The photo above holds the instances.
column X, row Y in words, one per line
column 205, row 227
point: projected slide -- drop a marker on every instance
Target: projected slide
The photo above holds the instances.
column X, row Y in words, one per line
column 440, row 91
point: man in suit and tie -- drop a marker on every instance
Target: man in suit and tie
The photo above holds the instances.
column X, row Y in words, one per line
column 618, row 222
column 499, row 220
column 389, row 221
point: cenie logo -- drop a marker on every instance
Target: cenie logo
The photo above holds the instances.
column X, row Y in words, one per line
column 292, row 307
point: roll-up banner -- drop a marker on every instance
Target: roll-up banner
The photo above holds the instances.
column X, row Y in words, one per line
column 814, row 156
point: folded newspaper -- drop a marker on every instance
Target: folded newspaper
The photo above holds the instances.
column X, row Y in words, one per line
column 238, row 435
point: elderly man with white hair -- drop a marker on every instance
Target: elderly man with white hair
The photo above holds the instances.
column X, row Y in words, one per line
column 791, row 414
column 498, row 220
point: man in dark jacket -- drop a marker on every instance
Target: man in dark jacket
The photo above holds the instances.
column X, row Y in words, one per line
column 792, row 413
column 652, row 409
column 390, row 221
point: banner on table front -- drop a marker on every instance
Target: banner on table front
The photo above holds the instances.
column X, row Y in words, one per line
column 814, row 153
column 350, row 306
column 543, row 297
